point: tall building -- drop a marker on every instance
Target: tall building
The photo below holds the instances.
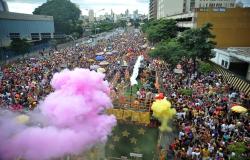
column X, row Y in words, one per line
column 112, row 15
column 135, row 14
column 127, row 12
column 230, row 25
column 30, row 27
column 91, row 15
column 153, row 9
column 167, row 8
column 3, row 6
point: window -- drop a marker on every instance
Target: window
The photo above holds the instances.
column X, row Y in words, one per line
column 14, row 36
column 35, row 36
column 226, row 64
column 222, row 62
column 45, row 35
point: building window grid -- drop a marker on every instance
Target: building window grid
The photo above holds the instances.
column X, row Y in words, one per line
column 45, row 35
column 14, row 36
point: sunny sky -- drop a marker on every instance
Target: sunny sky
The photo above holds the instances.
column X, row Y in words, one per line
column 118, row 6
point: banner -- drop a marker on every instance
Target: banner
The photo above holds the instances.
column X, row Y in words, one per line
column 130, row 115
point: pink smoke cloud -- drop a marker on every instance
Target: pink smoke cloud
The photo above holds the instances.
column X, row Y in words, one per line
column 74, row 119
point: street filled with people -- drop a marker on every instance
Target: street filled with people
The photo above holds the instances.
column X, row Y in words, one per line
column 205, row 123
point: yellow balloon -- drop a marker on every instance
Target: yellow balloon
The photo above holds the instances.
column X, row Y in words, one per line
column 162, row 110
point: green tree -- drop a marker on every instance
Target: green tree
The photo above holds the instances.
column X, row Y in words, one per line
column 186, row 91
column 238, row 148
column 160, row 30
column 103, row 26
column 199, row 42
column 135, row 22
column 121, row 23
column 66, row 15
column 20, row 46
column 204, row 68
column 169, row 51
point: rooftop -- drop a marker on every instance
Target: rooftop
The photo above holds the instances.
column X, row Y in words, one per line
column 27, row 17
column 241, row 53
column 244, row 51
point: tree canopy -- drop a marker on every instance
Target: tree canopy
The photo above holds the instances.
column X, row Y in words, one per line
column 103, row 26
column 169, row 51
column 20, row 46
column 199, row 42
column 160, row 30
column 66, row 15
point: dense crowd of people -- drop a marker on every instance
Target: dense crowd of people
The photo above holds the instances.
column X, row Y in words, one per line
column 205, row 123
column 27, row 81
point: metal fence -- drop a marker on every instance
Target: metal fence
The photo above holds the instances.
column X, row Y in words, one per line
column 6, row 54
column 231, row 78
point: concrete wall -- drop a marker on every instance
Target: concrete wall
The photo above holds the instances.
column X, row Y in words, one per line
column 221, row 56
column 169, row 7
column 24, row 27
column 231, row 27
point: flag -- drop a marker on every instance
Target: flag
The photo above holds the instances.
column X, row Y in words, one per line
column 127, row 74
column 157, row 85
column 130, row 138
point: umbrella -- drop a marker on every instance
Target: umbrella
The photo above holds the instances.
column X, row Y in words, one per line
column 109, row 53
column 239, row 109
column 99, row 58
column 22, row 119
column 104, row 63
column 101, row 70
column 94, row 67
column 99, row 54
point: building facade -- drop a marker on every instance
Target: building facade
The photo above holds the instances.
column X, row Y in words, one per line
column 3, row 6
column 215, row 3
column 135, row 15
column 153, row 9
column 235, row 59
column 91, row 15
column 30, row 27
column 167, row 8
column 231, row 25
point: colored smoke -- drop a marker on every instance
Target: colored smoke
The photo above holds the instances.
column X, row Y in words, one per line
column 69, row 121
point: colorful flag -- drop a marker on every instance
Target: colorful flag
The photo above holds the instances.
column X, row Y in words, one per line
column 130, row 138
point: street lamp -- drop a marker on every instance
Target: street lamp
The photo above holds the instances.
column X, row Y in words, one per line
column 96, row 17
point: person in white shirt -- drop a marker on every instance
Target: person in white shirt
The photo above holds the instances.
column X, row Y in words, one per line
column 181, row 133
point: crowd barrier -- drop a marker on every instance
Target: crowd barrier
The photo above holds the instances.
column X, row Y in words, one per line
column 133, row 103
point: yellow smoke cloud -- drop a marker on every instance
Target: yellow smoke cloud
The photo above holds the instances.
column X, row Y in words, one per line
column 162, row 110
